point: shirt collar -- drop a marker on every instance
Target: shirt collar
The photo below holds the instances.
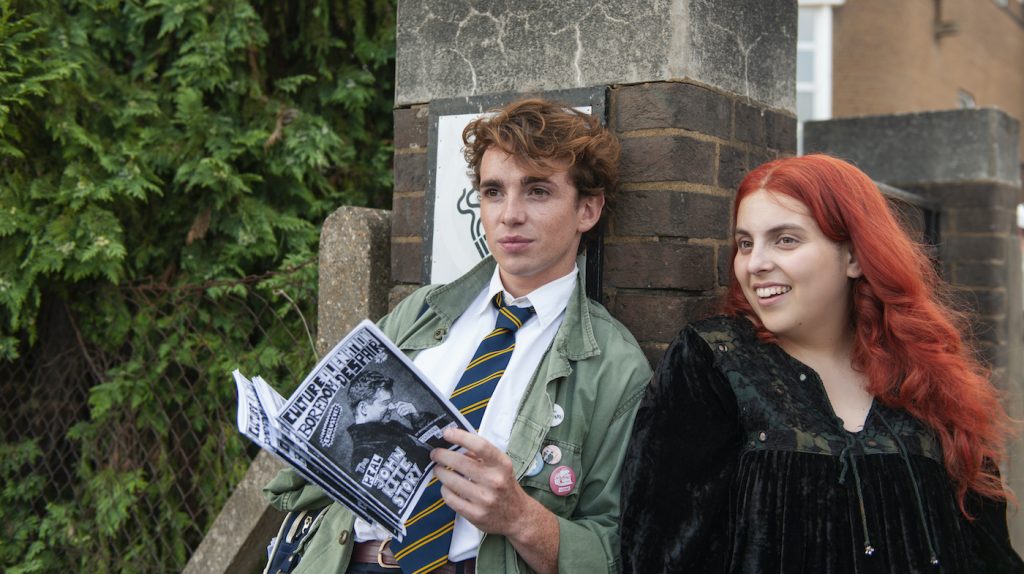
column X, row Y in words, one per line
column 548, row 300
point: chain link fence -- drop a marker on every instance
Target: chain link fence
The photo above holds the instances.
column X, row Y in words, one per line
column 119, row 444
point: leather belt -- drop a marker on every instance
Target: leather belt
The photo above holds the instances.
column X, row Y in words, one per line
column 375, row 552
column 379, row 552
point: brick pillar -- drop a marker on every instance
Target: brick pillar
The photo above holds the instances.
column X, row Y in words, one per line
column 698, row 91
column 966, row 160
column 685, row 148
column 407, row 205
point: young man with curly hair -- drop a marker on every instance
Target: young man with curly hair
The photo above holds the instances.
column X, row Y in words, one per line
column 538, row 488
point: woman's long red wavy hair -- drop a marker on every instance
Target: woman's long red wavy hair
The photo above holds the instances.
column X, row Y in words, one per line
column 908, row 341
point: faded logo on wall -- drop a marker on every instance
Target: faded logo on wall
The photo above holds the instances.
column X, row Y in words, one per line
column 469, row 205
column 458, row 242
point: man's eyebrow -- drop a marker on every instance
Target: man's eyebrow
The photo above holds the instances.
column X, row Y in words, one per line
column 526, row 180
column 774, row 230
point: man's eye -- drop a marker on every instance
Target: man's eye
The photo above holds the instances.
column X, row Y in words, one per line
column 538, row 191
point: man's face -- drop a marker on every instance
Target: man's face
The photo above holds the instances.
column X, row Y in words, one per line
column 374, row 410
column 533, row 223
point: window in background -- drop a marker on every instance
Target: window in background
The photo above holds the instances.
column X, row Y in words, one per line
column 813, row 63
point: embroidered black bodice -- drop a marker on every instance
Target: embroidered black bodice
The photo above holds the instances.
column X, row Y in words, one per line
column 738, row 464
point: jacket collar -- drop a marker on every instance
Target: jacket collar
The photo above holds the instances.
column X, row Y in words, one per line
column 575, row 338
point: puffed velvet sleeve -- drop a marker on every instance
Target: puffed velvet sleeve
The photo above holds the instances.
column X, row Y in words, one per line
column 679, row 465
column 993, row 549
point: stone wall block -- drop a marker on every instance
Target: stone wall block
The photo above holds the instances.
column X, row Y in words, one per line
column 780, row 131
column 407, row 262
column 750, row 124
column 906, row 149
column 659, row 315
column 724, row 265
column 982, row 220
column 733, row 165
column 760, row 156
column 411, row 127
column 672, row 105
column 671, row 213
column 407, row 215
column 969, row 195
column 975, row 247
column 663, row 265
column 977, row 274
column 667, row 158
column 410, row 172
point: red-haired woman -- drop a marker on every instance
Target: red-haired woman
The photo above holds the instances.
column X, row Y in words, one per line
column 833, row 419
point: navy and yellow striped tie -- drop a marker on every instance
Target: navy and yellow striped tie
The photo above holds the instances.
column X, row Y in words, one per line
column 429, row 528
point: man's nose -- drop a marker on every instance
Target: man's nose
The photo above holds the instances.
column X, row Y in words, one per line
column 514, row 210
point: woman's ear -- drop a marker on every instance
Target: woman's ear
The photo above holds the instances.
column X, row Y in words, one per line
column 853, row 269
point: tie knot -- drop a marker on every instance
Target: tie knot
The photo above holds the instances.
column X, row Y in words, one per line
column 510, row 317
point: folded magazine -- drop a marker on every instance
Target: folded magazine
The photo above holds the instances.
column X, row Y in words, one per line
column 360, row 426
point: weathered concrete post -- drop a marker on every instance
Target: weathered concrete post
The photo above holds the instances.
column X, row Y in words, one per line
column 354, row 284
column 699, row 92
column 966, row 160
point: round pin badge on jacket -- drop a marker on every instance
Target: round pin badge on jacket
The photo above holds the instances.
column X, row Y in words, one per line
column 562, row 481
column 551, row 454
column 536, row 466
column 557, row 415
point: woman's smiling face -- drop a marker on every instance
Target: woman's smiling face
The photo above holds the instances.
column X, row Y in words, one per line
column 795, row 278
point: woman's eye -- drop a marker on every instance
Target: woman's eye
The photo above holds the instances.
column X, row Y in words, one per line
column 786, row 240
column 745, row 244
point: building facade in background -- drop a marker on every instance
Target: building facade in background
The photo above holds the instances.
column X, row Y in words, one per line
column 873, row 57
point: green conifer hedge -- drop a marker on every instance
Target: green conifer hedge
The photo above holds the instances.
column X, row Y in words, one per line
column 153, row 154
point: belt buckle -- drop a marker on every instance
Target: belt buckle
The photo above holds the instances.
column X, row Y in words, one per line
column 380, row 556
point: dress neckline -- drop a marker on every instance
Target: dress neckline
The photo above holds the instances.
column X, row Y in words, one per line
column 809, row 373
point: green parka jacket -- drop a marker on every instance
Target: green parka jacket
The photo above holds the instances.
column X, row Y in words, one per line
column 594, row 370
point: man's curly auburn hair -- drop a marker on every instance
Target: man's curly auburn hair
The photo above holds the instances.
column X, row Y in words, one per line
column 546, row 136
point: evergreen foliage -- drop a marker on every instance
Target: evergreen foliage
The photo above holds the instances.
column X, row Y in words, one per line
column 153, row 155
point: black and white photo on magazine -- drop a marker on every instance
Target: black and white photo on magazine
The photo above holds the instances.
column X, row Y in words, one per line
column 361, row 425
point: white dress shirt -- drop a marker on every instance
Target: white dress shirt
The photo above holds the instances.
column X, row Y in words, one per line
column 444, row 365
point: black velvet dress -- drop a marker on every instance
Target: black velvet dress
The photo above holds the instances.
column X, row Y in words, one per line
column 738, row 464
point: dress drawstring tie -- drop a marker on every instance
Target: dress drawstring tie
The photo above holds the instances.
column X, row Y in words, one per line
column 848, row 460
column 933, row 558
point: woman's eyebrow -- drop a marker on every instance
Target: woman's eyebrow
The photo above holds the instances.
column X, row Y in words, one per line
column 774, row 230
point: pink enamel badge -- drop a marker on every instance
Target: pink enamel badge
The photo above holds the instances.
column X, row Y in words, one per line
column 562, row 481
